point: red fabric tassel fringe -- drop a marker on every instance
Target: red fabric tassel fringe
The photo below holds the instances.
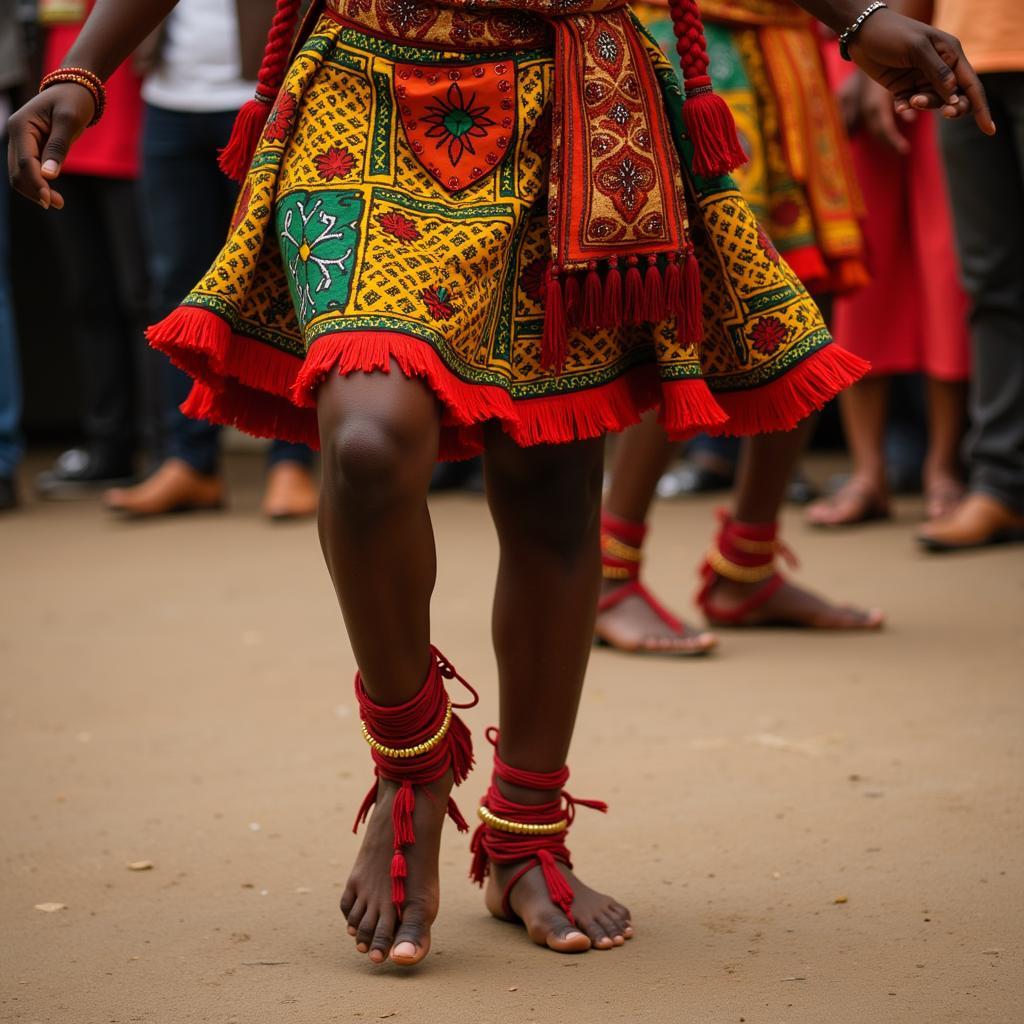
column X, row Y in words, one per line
column 712, row 131
column 236, row 156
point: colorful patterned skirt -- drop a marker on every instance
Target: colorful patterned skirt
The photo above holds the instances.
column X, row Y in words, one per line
column 798, row 181
column 394, row 219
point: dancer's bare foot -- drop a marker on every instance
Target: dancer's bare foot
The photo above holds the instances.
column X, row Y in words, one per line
column 366, row 902
column 790, row 605
column 859, row 500
column 601, row 922
column 632, row 624
column 174, row 487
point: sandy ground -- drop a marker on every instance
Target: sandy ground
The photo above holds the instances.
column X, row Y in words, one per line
column 807, row 828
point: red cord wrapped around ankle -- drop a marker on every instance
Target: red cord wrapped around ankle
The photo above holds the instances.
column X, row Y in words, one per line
column 497, row 845
column 414, row 744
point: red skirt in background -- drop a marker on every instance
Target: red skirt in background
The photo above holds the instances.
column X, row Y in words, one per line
column 912, row 318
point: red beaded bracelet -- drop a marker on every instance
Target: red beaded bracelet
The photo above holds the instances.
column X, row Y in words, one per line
column 87, row 80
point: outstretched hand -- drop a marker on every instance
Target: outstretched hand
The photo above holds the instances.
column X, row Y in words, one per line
column 41, row 135
column 923, row 68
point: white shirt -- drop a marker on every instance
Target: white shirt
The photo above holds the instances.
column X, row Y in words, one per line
column 200, row 70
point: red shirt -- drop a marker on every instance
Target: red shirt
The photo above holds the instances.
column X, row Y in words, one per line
column 109, row 149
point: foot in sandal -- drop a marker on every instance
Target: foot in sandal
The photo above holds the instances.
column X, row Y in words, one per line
column 858, row 500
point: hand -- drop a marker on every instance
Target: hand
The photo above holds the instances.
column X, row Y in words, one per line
column 923, row 68
column 879, row 117
column 848, row 96
column 41, row 135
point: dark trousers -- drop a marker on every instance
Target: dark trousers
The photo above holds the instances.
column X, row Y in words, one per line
column 189, row 203
column 102, row 257
column 986, row 180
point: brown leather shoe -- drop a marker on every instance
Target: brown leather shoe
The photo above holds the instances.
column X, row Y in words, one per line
column 174, row 487
column 291, row 492
column 978, row 520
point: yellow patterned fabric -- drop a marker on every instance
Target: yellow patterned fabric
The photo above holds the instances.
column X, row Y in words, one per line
column 767, row 65
column 351, row 252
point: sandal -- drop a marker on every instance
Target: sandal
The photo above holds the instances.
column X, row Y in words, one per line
column 510, row 832
column 415, row 744
column 942, row 499
column 852, row 504
column 621, row 559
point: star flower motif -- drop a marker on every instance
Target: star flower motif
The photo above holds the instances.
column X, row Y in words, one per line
column 279, row 124
column 398, row 226
column 335, row 163
column 456, row 121
column 768, row 334
column 436, row 299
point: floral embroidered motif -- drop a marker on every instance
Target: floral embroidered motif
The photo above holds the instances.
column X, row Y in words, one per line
column 335, row 163
column 607, row 48
column 767, row 245
column 438, row 306
column 279, row 124
column 456, row 121
column 398, row 226
column 619, row 114
column 531, row 280
column 768, row 334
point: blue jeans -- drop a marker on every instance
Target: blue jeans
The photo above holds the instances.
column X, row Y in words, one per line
column 11, row 446
column 189, row 203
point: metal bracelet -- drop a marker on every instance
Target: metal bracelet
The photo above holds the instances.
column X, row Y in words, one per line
column 847, row 37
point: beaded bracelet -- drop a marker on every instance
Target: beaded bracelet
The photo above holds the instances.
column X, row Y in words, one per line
column 847, row 37
column 87, row 80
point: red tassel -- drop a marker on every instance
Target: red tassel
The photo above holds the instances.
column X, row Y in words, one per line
column 613, row 295
column 456, row 815
column 712, row 131
column 558, row 888
column 236, row 156
column 673, row 286
column 654, row 294
column 572, row 292
column 399, row 873
column 481, row 863
column 592, row 299
column 693, row 303
column 365, row 807
column 401, row 815
column 555, row 343
column 633, row 307
column 461, row 746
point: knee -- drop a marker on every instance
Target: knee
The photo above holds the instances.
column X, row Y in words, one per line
column 373, row 463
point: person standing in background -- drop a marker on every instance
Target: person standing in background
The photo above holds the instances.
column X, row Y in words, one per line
column 203, row 69
column 103, row 269
column 986, row 179
column 13, row 73
column 912, row 318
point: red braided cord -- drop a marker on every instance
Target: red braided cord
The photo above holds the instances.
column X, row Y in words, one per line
column 691, row 45
column 408, row 725
column 627, row 532
column 491, row 845
column 279, row 44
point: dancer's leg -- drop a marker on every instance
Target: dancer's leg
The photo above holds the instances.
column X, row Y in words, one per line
column 546, row 502
column 865, row 495
column 766, row 465
column 631, row 623
column 947, row 416
column 379, row 436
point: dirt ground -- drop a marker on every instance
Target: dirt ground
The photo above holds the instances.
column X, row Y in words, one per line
column 807, row 828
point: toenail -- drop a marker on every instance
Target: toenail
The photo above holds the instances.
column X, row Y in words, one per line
column 405, row 949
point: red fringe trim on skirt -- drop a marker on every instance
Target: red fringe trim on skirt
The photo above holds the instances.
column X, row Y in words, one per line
column 242, row 382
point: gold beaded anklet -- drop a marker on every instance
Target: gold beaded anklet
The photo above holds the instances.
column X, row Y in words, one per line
column 504, row 825
column 421, row 748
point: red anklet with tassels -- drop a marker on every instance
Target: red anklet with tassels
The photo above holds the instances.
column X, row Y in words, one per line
column 535, row 834
column 745, row 553
column 414, row 744
column 621, row 558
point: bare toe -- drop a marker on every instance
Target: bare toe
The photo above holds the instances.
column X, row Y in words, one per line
column 561, row 936
column 383, row 937
column 412, row 943
column 365, row 931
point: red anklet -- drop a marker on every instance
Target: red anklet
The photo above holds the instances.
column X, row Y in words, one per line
column 746, row 553
column 414, row 744
column 621, row 558
column 534, row 833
